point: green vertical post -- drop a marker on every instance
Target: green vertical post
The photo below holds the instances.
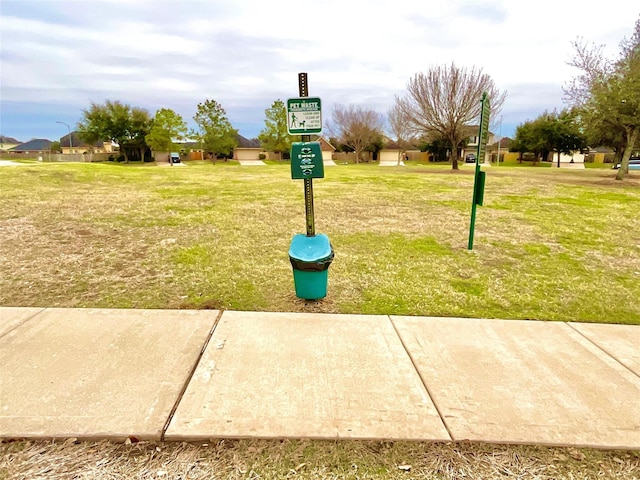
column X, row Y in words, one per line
column 478, row 182
column 303, row 90
column 473, row 210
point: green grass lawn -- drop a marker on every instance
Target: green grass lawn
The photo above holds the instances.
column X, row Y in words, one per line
column 550, row 244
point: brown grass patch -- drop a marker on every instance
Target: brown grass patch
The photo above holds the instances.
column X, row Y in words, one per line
column 305, row 459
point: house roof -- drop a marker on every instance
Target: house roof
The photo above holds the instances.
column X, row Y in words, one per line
column 35, row 144
column 504, row 142
column 601, row 149
column 324, row 143
column 244, row 142
column 4, row 139
column 476, row 128
column 76, row 141
column 394, row 145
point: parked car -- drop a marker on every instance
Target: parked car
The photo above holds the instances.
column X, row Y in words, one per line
column 470, row 158
column 634, row 164
column 174, row 157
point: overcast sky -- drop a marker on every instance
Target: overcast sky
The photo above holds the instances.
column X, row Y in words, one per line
column 58, row 56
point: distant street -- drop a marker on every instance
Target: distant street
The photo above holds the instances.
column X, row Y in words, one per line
column 8, row 163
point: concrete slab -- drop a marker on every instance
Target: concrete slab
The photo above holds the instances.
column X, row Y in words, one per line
column 523, row 382
column 251, row 163
column 9, row 163
column 622, row 342
column 11, row 317
column 97, row 373
column 391, row 163
column 277, row 375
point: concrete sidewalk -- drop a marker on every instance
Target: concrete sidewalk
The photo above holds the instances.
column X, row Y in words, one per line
column 196, row 375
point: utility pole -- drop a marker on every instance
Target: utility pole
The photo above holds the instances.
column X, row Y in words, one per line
column 499, row 139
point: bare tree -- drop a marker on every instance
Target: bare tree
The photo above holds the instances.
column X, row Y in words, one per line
column 446, row 100
column 595, row 70
column 355, row 127
column 400, row 127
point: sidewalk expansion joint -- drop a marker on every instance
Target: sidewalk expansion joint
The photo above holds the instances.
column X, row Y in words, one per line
column 190, row 376
column 23, row 322
column 424, row 383
column 602, row 349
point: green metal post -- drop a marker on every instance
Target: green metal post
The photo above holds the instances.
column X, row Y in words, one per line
column 482, row 140
column 473, row 206
column 303, row 88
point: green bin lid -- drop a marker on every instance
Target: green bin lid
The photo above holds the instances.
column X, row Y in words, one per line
column 310, row 249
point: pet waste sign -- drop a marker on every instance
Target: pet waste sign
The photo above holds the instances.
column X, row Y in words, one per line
column 304, row 116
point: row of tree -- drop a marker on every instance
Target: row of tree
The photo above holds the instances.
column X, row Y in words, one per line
column 440, row 107
column 549, row 133
column 437, row 112
column 134, row 130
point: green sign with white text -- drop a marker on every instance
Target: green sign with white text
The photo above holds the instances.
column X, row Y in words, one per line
column 306, row 160
column 480, row 177
column 483, row 135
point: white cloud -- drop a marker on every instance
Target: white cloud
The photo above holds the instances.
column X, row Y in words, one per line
column 246, row 54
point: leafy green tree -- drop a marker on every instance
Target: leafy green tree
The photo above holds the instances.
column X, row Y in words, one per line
column 375, row 146
column 523, row 141
column 167, row 126
column 599, row 132
column 565, row 135
column 140, row 125
column 55, row 147
column 275, row 136
column 550, row 132
column 215, row 130
column 608, row 91
column 118, row 122
column 436, row 145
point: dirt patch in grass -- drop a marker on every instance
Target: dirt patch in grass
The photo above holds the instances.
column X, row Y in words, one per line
column 280, row 459
column 467, row 171
column 587, row 177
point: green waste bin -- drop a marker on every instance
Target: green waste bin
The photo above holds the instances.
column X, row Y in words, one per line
column 310, row 258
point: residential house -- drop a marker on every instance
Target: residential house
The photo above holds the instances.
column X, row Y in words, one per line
column 392, row 154
column 575, row 160
column 601, row 155
column 247, row 149
column 72, row 143
column 325, row 146
column 505, row 154
column 37, row 146
column 188, row 148
column 7, row 143
column 472, row 143
column 392, row 150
